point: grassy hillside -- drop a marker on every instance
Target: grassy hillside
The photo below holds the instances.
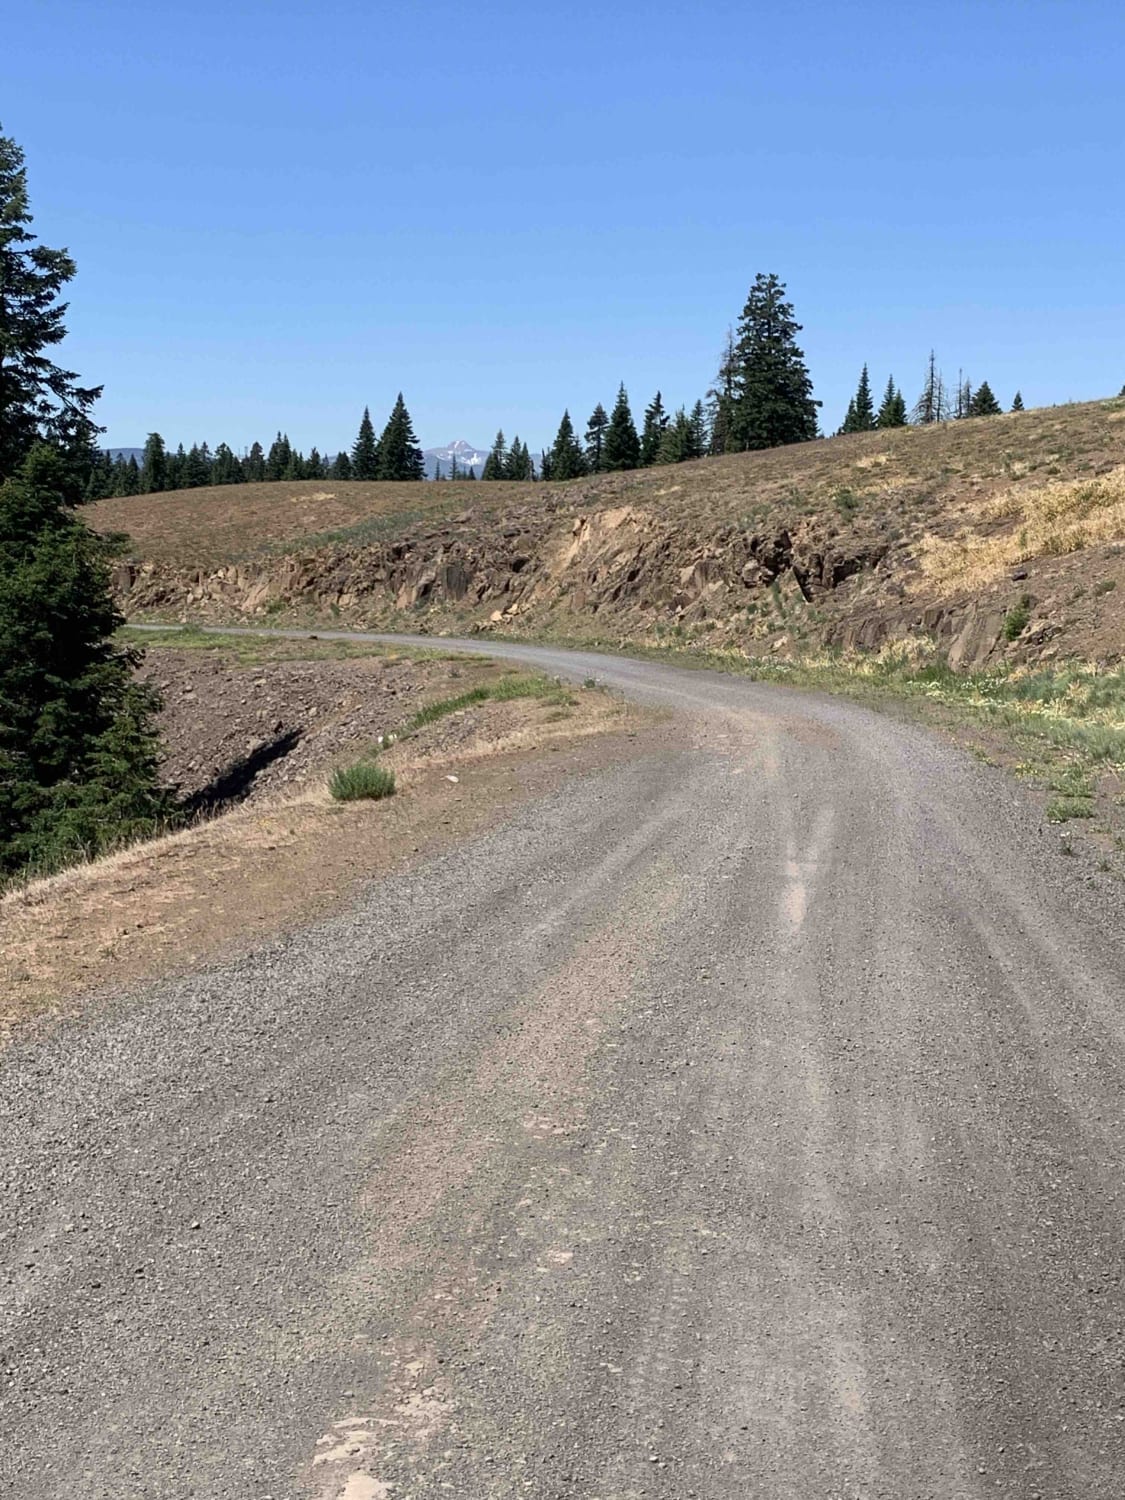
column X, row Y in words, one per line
column 1000, row 537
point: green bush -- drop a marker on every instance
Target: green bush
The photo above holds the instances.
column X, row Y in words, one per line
column 363, row 781
column 1015, row 621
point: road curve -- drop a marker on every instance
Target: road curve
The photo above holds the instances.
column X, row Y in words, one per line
column 747, row 1120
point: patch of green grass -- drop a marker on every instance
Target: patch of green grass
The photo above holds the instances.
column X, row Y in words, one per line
column 256, row 650
column 1015, row 621
column 363, row 781
column 1062, row 809
column 507, row 689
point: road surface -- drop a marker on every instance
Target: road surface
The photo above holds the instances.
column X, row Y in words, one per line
column 747, row 1120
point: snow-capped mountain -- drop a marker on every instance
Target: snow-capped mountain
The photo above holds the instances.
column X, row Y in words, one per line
column 466, row 455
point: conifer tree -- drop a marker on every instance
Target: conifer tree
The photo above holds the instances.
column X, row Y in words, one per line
column 984, row 403
column 454, row 471
column 438, row 475
column 132, row 476
column 78, row 754
column 255, row 466
column 567, row 459
column 595, row 439
column 933, row 404
column 848, row 424
column 773, row 400
column 197, row 469
column 400, row 457
column 314, row 465
column 892, row 413
column 545, row 473
column 698, row 436
column 676, row 444
column 519, row 466
column 622, row 445
column 656, row 420
column 341, row 466
column 1017, row 402
column 964, row 396
column 722, row 398
column 472, row 474
column 38, row 398
column 154, row 465
column 496, row 464
column 861, row 408
column 365, row 450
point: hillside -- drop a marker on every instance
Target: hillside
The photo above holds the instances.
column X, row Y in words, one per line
column 1000, row 536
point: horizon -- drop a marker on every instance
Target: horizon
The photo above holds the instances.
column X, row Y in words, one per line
column 279, row 246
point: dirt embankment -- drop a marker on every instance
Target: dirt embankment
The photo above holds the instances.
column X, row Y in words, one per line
column 251, row 730
column 960, row 533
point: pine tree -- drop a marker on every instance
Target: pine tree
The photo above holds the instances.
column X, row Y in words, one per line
column 519, row 466
column 656, row 420
column 454, row 471
column 622, row 445
column 438, row 475
column 595, row 439
column 197, row 470
column 1017, row 402
column 567, row 459
column 154, row 465
column 400, row 457
column 848, row 424
column 722, row 399
column 341, row 466
column 78, row 755
column 892, row 413
column 255, row 466
column 132, row 476
column 365, row 450
column 315, row 466
column 861, row 408
column 278, row 458
column 545, row 472
column 773, row 400
column 698, row 436
column 933, row 404
column 38, row 399
column 676, row 444
column 496, row 464
column 984, row 403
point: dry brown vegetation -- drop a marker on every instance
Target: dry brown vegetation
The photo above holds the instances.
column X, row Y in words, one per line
column 849, row 542
column 289, row 852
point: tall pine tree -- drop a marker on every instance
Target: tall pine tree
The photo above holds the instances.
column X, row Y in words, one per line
column 595, row 439
column 365, row 450
column 861, row 408
column 567, row 461
column 622, row 445
column 400, row 457
column 984, row 403
column 773, row 400
column 656, row 420
column 496, row 464
column 1017, row 402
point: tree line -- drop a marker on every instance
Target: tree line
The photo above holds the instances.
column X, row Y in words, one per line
column 933, row 405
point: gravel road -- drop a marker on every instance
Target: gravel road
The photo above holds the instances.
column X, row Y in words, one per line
column 747, row 1120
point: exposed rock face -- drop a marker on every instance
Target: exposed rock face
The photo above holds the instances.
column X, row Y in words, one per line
column 619, row 574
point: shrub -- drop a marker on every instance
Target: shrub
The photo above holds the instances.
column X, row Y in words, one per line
column 363, row 781
column 1015, row 621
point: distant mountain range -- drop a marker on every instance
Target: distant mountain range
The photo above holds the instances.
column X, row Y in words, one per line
column 468, row 457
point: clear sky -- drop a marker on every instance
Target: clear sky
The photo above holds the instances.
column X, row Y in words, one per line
column 284, row 211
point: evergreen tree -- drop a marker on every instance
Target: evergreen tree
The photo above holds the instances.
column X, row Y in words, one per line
column 154, row 465
column 545, row 473
column 622, row 445
column 226, row 468
column 132, row 477
column 197, row 469
column 676, row 443
column 984, row 403
column 656, row 420
column 78, row 755
column 861, row 408
column 698, row 436
column 177, row 465
column 595, row 439
column 519, row 466
column 38, row 399
column 315, row 466
column 773, row 400
column 438, row 475
column 255, row 465
column 848, row 424
column 722, row 399
column 892, row 413
column 400, row 457
column 341, row 466
column 1017, row 402
column 496, row 464
column 277, row 459
column 964, row 396
column 365, row 450
column 567, row 459
column 121, row 476
column 933, row 404
column 454, row 470
column 472, row 474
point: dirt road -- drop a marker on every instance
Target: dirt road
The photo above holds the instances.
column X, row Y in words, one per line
column 743, row 1121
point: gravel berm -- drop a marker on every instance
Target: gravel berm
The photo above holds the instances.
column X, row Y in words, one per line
column 747, row 1120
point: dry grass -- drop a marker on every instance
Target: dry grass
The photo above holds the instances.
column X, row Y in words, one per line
column 1048, row 520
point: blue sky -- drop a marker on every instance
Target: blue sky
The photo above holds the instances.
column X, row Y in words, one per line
column 282, row 212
